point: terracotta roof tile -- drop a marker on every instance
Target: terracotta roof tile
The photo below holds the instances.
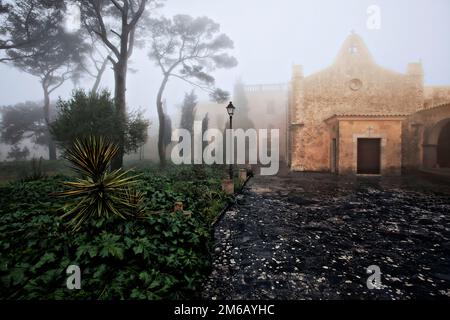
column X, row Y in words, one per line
column 370, row 115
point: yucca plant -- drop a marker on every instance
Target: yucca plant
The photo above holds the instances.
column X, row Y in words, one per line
column 99, row 192
column 136, row 199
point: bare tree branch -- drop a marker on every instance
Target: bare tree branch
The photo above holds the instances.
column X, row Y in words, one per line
column 198, row 85
column 117, row 5
column 102, row 33
column 138, row 14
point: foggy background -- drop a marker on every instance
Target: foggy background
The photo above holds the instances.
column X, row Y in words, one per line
column 269, row 36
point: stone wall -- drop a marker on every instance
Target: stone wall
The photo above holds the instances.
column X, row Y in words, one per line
column 436, row 95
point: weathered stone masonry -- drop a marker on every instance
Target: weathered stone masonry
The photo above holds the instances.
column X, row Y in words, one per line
column 355, row 99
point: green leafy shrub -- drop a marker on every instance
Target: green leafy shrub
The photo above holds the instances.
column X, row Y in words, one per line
column 95, row 114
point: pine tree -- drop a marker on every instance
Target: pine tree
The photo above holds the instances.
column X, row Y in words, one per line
column 188, row 111
column 241, row 119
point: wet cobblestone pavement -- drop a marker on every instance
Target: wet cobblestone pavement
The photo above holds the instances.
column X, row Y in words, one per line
column 312, row 236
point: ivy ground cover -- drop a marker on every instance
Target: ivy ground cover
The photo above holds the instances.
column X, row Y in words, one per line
column 160, row 255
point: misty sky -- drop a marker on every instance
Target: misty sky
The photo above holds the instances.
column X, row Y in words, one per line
column 271, row 35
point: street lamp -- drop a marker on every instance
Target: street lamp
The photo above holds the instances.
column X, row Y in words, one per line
column 230, row 110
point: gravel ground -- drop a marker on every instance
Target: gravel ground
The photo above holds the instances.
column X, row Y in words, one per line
column 312, row 236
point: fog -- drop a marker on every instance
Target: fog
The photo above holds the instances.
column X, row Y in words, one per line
column 271, row 35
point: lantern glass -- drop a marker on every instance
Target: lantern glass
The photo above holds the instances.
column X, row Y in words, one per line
column 230, row 109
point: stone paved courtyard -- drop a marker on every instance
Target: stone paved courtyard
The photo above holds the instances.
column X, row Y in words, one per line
column 312, row 236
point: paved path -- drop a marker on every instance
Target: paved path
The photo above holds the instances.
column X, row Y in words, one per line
column 312, row 236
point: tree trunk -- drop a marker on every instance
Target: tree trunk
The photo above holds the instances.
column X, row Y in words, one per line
column 120, row 75
column 162, row 122
column 51, row 143
column 100, row 75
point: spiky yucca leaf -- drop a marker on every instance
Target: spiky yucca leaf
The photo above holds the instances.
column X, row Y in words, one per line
column 91, row 156
column 136, row 199
column 99, row 192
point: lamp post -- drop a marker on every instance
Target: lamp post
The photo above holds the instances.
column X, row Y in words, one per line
column 230, row 110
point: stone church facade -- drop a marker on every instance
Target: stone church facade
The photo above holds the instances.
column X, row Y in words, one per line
column 356, row 117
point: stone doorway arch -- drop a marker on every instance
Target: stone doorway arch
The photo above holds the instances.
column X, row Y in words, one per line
column 443, row 147
column 436, row 148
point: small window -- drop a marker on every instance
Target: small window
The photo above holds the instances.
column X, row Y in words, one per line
column 353, row 49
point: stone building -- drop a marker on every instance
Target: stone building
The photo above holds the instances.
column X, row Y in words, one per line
column 267, row 104
column 266, row 108
column 356, row 117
